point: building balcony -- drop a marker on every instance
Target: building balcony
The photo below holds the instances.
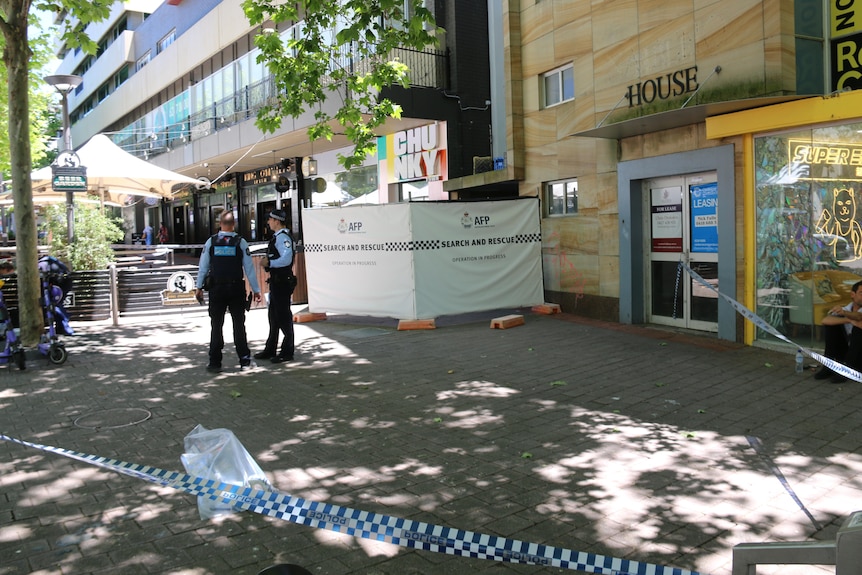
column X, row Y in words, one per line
column 184, row 119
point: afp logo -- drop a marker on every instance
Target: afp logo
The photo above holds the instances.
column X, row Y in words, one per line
column 469, row 221
column 350, row 227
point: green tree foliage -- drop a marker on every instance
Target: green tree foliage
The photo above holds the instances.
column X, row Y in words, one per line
column 338, row 64
column 95, row 231
column 17, row 56
column 43, row 119
column 358, row 181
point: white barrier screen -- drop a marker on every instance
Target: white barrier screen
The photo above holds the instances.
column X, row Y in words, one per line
column 358, row 260
column 425, row 259
column 476, row 256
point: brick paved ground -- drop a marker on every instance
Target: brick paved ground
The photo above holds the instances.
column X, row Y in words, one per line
column 629, row 442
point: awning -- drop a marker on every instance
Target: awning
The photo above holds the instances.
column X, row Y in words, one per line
column 112, row 169
column 679, row 118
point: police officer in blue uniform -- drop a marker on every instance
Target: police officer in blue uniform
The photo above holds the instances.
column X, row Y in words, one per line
column 224, row 259
column 281, row 285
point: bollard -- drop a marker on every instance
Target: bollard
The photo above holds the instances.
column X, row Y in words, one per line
column 848, row 546
column 845, row 551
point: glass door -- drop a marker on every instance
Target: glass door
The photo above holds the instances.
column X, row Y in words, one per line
column 682, row 227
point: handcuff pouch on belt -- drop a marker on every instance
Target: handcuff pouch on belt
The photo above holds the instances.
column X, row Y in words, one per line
column 281, row 276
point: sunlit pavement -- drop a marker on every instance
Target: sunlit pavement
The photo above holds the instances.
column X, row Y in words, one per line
column 628, row 442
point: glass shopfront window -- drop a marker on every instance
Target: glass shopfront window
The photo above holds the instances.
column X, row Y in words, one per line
column 808, row 208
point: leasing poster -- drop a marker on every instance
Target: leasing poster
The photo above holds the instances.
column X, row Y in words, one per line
column 666, row 214
column 422, row 260
column 704, row 218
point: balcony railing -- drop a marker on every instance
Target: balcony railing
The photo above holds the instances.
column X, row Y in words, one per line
column 427, row 69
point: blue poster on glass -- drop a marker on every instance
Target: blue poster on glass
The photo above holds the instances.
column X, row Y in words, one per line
column 704, row 218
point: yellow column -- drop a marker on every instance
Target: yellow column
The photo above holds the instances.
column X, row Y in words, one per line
column 749, row 236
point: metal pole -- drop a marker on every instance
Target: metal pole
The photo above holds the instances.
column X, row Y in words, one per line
column 67, row 146
column 115, row 295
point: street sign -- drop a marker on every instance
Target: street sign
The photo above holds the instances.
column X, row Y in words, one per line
column 68, row 179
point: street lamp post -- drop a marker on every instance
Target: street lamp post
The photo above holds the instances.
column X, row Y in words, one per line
column 65, row 83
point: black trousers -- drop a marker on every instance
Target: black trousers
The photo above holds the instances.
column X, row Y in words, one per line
column 280, row 319
column 843, row 348
column 224, row 298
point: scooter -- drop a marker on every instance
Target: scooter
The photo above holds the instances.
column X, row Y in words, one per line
column 49, row 343
column 12, row 352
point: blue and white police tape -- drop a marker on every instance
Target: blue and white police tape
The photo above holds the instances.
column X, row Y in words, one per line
column 756, row 320
column 369, row 525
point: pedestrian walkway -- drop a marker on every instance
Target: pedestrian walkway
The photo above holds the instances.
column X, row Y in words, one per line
column 636, row 443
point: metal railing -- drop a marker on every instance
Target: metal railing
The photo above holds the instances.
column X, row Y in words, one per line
column 427, row 69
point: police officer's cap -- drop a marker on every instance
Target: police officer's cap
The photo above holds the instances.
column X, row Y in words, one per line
column 279, row 215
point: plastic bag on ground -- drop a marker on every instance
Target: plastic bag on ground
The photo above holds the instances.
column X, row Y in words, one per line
column 217, row 454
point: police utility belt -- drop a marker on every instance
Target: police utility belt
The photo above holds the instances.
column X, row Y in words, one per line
column 280, row 275
column 210, row 282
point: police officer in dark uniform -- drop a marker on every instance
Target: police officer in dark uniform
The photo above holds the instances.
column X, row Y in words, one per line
column 224, row 259
column 281, row 285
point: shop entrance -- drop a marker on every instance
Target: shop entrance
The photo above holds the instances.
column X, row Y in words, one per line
column 681, row 224
column 264, row 234
column 179, row 225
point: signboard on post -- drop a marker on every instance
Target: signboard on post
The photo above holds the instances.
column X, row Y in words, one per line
column 69, row 179
column 67, row 173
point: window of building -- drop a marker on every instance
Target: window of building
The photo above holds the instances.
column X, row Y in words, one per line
column 398, row 16
column 558, row 85
column 110, row 36
column 561, row 197
column 166, row 41
column 119, row 28
column 85, row 65
column 810, row 45
column 120, row 77
column 143, row 61
column 413, row 191
column 291, row 35
column 807, row 252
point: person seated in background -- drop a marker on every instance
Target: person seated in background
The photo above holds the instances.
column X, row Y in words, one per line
column 842, row 328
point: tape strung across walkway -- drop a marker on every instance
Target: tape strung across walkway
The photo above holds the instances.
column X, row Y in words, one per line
column 758, row 321
column 368, row 525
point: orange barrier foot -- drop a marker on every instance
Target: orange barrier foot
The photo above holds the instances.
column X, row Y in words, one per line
column 406, row 324
column 546, row 308
column 306, row 316
column 507, row 321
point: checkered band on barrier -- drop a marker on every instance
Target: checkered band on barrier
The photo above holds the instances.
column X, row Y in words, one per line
column 398, row 246
column 369, row 525
column 418, row 245
column 426, row 245
column 528, row 238
column 314, row 248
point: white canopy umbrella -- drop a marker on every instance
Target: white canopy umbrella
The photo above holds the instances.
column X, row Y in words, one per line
column 112, row 171
column 44, row 197
column 372, row 197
